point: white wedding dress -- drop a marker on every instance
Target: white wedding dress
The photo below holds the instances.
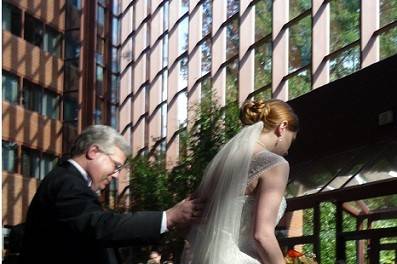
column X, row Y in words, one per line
column 241, row 249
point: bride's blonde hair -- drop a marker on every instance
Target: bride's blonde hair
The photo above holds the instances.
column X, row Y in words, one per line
column 271, row 113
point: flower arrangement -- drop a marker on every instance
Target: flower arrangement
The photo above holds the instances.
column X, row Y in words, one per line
column 296, row 257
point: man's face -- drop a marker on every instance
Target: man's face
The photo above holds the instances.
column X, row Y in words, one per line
column 103, row 167
column 155, row 257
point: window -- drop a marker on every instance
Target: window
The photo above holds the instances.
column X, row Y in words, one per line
column 263, row 19
column 263, row 65
column 34, row 31
column 100, row 18
column 36, row 164
column 70, row 110
column 53, row 42
column 10, row 87
column 232, row 39
column 30, row 163
column 38, row 99
column 9, row 152
column 99, row 80
column 11, row 19
column 207, row 17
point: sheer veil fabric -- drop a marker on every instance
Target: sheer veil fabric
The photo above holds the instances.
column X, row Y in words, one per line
column 223, row 185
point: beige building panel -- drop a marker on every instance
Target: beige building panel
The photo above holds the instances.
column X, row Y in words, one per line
column 247, row 57
column 31, row 129
column 126, row 55
column 17, row 192
column 321, row 22
column 126, row 23
column 141, row 11
column 138, row 121
column 369, row 24
column 280, row 49
column 31, row 62
column 124, row 4
column 50, row 11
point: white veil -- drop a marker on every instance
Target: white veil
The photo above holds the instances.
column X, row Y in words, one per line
column 223, row 185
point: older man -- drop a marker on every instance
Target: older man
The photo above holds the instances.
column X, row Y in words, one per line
column 65, row 221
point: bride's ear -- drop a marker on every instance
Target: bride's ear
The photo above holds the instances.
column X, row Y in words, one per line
column 281, row 128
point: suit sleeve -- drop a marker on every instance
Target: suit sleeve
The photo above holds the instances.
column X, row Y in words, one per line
column 78, row 210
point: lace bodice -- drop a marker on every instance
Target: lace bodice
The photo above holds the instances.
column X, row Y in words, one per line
column 261, row 161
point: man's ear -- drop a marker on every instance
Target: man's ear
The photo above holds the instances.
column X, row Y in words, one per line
column 281, row 128
column 92, row 152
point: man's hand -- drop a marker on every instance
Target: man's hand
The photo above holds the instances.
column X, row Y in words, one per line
column 187, row 211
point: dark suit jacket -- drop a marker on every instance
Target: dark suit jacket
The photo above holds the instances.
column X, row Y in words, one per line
column 66, row 223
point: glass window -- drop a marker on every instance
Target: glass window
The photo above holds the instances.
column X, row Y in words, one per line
column 207, row 17
column 9, row 152
column 114, row 116
column 183, row 28
column 34, row 30
column 388, row 43
column 70, row 110
column 53, row 42
column 263, row 18
column 165, row 50
column 10, row 87
column 32, row 96
column 30, row 163
column 232, row 39
column 115, row 60
column 345, row 23
column 233, row 7
column 115, row 31
column 388, row 11
column 345, row 63
column 114, row 95
column 99, row 80
column 72, row 45
column 72, row 77
column 299, row 84
column 184, row 6
column 100, row 18
column 100, row 110
column 100, row 51
column 232, row 82
column 75, row 3
column 264, row 93
column 11, row 19
column 166, row 15
column 47, row 163
column 116, row 7
column 183, row 72
column 182, row 109
column 263, row 65
column 50, row 104
column 206, row 57
column 297, row 7
column 300, row 44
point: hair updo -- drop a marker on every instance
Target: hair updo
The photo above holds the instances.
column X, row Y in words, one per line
column 271, row 113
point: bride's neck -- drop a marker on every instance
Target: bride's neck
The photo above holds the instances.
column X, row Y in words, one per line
column 264, row 142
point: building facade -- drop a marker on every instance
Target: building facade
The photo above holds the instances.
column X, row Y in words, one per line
column 59, row 75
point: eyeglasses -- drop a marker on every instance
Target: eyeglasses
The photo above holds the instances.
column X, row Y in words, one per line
column 117, row 165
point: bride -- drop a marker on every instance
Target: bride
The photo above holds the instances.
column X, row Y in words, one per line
column 244, row 186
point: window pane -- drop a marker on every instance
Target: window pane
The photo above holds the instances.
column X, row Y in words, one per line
column 345, row 63
column 30, row 163
column 11, row 19
column 72, row 77
column 388, row 43
column 47, row 163
column 300, row 44
column 233, row 7
column 263, row 93
column 53, row 42
column 299, row 84
column 165, row 50
column 113, row 116
column 32, row 96
column 263, row 18
column 99, row 80
column 263, row 65
column 232, row 39
column 70, row 110
column 100, row 51
column 115, row 60
column 9, row 152
column 115, row 31
column 100, row 110
column 34, row 30
column 114, row 93
column 50, row 104
column 232, row 82
column 100, row 18
column 345, row 23
column 75, row 3
column 182, row 109
column 205, row 57
column 297, row 7
column 207, row 17
column 388, row 11
column 10, row 87
column 183, row 72
column 206, row 92
column 116, row 7
column 166, row 15
column 72, row 45
column 184, row 6
column 183, row 28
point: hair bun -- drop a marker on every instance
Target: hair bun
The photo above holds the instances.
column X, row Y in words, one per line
column 254, row 111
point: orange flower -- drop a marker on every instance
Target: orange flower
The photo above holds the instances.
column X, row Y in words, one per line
column 294, row 254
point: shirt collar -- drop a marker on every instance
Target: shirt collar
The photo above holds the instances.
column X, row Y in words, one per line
column 82, row 171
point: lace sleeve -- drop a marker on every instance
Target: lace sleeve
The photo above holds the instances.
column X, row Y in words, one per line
column 262, row 162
